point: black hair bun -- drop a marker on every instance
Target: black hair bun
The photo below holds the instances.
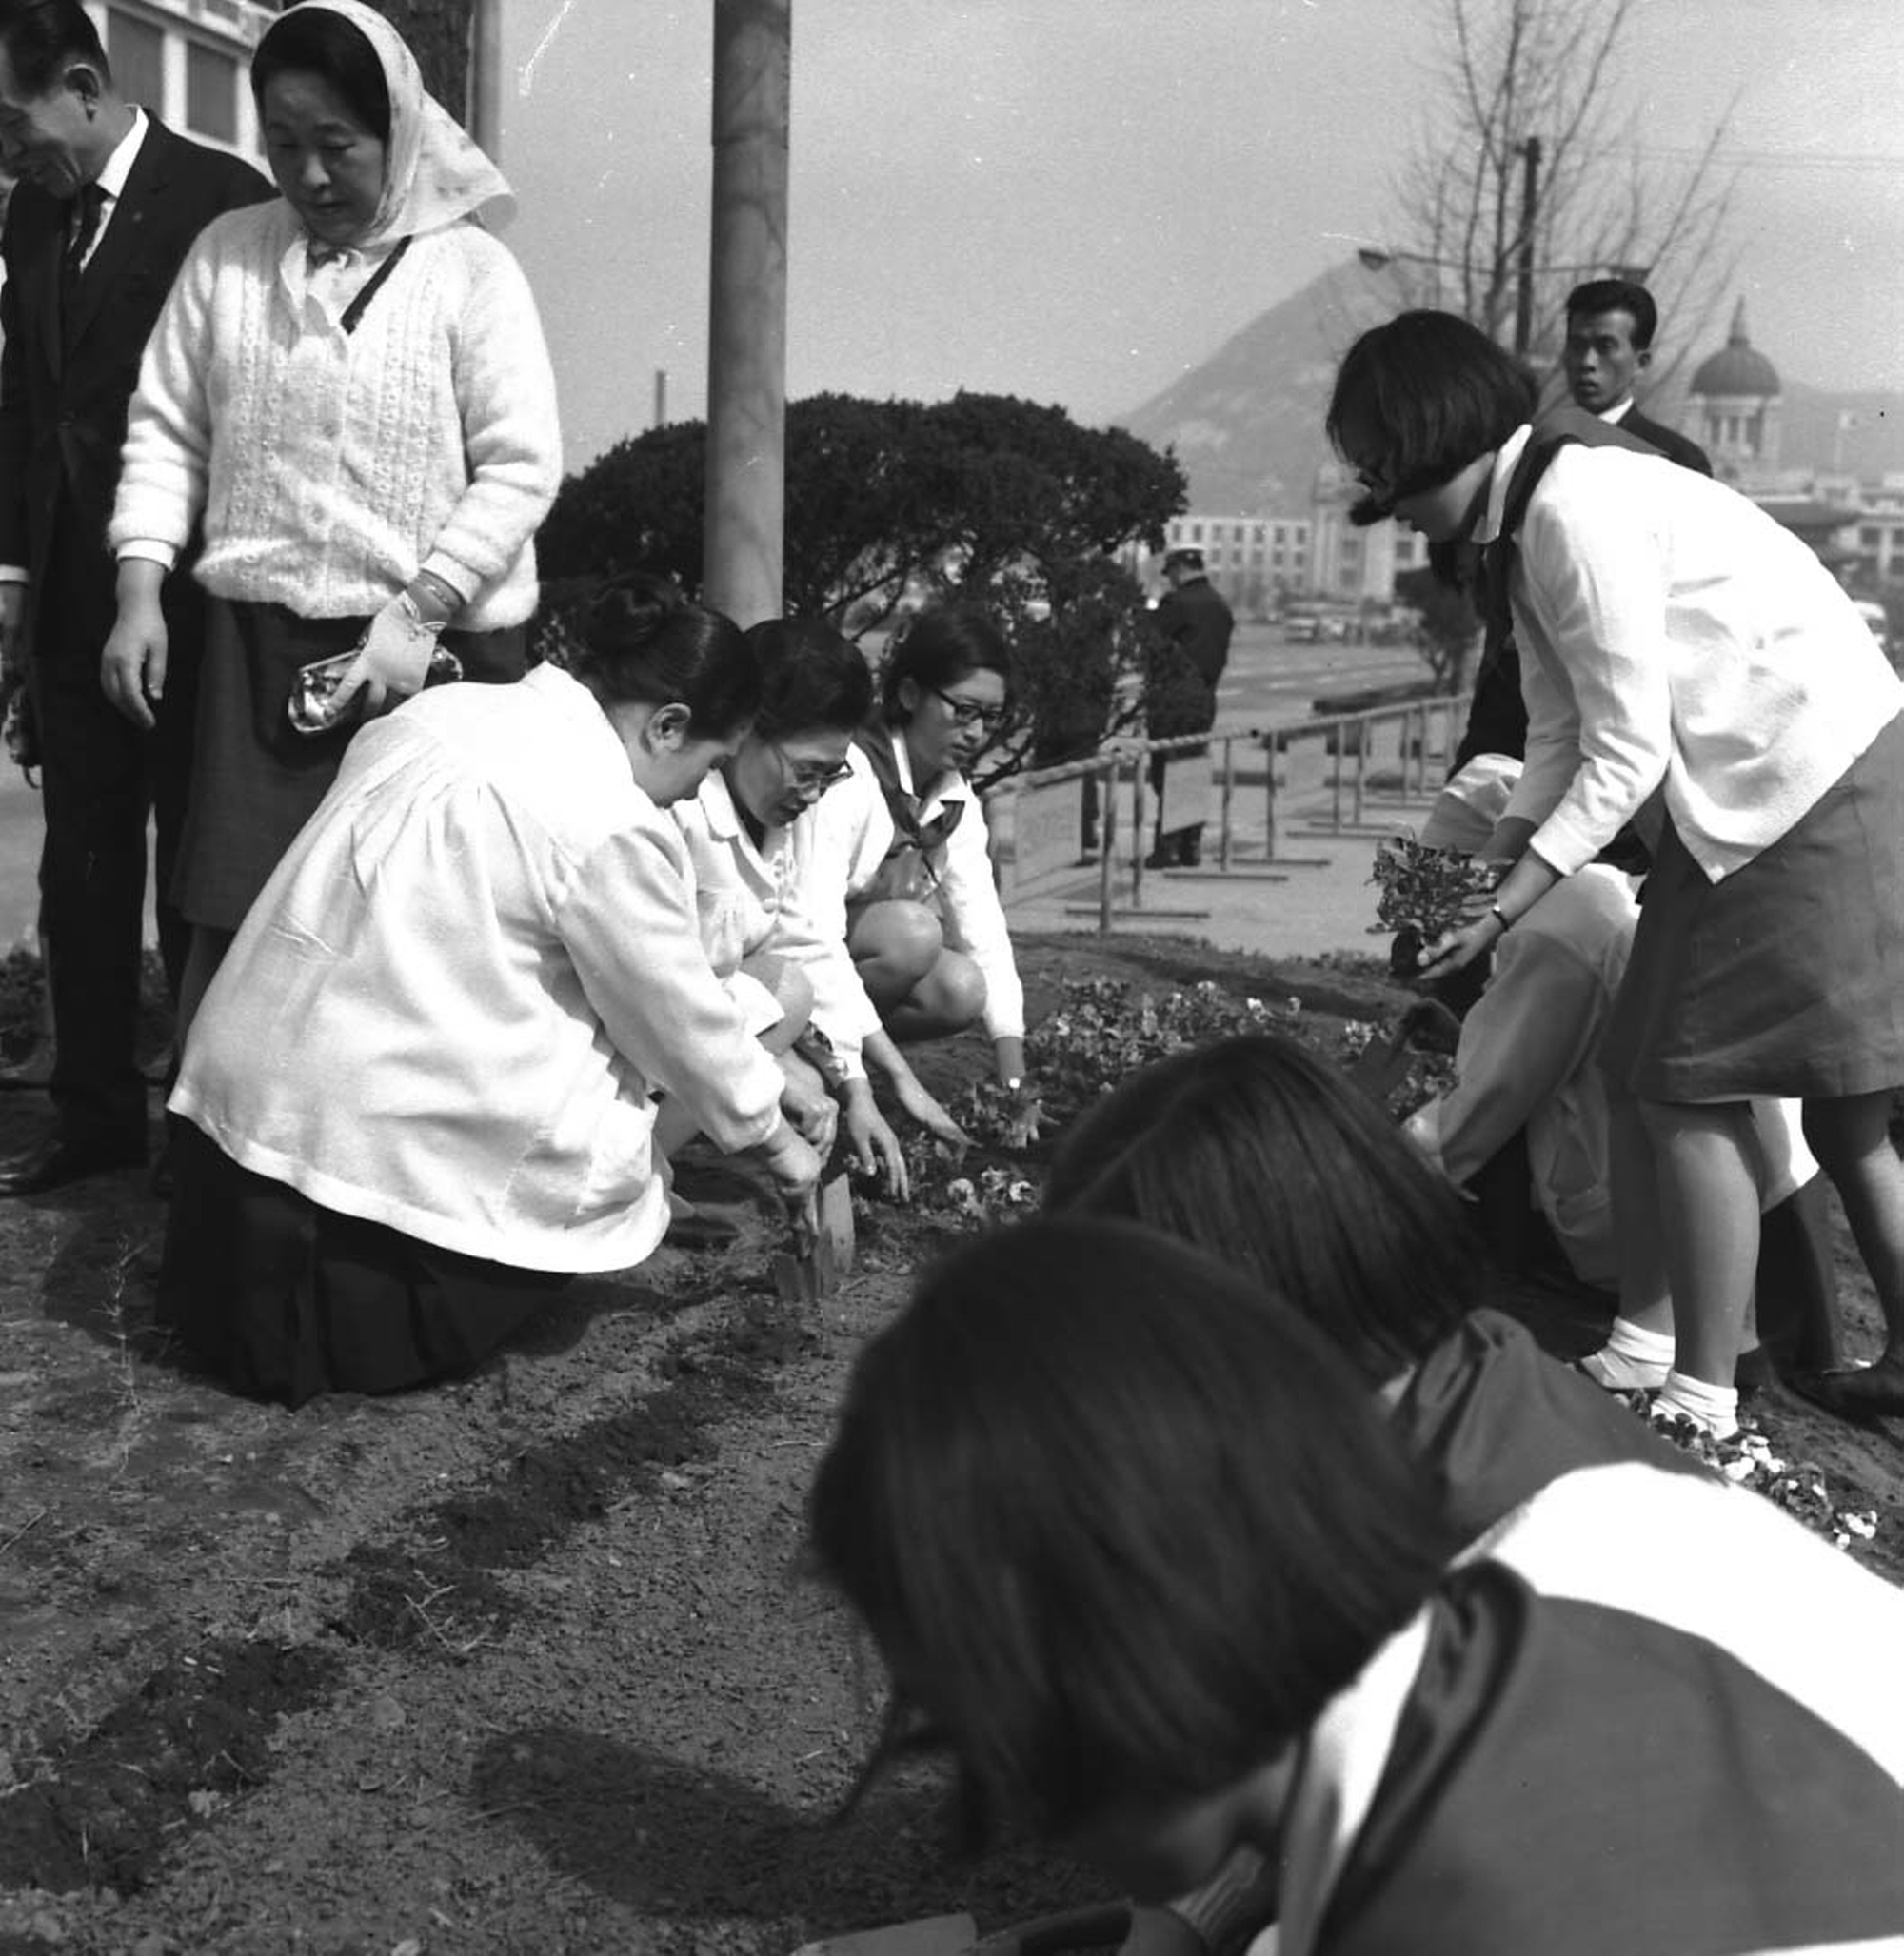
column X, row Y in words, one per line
column 632, row 606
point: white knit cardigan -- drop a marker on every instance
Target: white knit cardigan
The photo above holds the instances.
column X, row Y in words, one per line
column 331, row 467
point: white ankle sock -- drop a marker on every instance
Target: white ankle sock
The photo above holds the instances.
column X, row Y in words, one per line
column 1715, row 1407
column 1633, row 1359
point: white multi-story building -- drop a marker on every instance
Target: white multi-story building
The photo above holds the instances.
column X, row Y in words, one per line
column 188, row 62
column 1252, row 560
column 1261, row 562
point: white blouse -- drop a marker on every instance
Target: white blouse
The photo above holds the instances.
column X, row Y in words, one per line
column 1676, row 641
column 787, row 896
column 857, row 828
column 450, row 1008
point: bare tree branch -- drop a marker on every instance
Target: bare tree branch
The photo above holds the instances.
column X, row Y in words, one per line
column 1511, row 69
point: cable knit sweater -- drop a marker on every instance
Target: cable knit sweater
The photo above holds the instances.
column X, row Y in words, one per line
column 330, row 468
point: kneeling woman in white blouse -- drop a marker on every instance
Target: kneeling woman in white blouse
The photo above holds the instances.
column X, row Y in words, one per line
column 927, row 931
column 420, row 1092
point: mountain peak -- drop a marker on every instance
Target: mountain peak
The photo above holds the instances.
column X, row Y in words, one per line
column 1247, row 422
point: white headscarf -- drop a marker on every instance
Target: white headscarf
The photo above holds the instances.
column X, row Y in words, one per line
column 434, row 176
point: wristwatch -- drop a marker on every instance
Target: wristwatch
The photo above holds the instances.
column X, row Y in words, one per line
column 815, row 1048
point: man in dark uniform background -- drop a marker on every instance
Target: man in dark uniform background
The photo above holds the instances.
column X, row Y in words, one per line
column 1194, row 625
column 1610, row 329
column 106, row 203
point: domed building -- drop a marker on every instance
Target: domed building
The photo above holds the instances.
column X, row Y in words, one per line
column 1735, row 399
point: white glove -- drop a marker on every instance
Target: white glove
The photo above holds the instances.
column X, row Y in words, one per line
column 393, row 655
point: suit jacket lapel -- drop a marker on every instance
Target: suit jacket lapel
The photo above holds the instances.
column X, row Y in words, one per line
column 45, row 288
column 119, row 244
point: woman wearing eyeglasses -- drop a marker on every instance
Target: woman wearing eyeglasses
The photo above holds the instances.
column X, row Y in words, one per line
column 773, row 914
column 927, row 931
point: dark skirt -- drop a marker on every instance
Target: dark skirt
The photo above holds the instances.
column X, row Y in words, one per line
column 1785, row 978
column 255, row 780
column 286, row 1299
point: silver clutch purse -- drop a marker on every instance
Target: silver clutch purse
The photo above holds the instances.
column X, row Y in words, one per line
column 315, row 707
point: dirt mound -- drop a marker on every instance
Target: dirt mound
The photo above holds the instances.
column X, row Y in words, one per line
column 521, row 1664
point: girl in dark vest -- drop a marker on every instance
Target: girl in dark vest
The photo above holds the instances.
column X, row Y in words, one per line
column 1690, row 664
column 1145, row 1559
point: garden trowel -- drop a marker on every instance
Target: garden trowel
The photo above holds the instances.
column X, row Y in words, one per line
column 819, row 1246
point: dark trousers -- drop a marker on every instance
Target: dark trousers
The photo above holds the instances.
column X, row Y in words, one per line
column 102, row 779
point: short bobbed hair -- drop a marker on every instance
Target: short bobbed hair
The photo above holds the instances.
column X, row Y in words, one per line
column 314, row 40
column 1617, row 295
column 943, row 646
column 44, row 37
column 813, row 679
column 1267, row 1156
column 1431, row 392
column 637, row 639
column 1121, row 1524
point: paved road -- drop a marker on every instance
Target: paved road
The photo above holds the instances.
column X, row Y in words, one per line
column 1268, row 679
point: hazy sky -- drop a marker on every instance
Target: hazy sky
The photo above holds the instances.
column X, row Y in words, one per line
column 1079, row 200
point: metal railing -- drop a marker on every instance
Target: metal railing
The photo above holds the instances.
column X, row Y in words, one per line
column 1423, row 733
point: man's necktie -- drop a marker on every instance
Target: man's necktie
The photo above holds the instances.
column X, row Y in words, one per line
column 89, row 208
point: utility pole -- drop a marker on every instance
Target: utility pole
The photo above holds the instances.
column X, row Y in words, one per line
column 1529, row 204
column 746, row 322
column 485, row 77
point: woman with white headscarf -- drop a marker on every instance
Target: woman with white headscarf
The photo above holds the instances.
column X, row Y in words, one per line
column 350, row 390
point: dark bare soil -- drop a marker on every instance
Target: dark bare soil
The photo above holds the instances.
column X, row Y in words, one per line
column 523, row 1664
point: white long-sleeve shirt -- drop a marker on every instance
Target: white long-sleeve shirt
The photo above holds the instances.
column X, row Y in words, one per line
column 785, row 896
column 451, row 1007
column 331, row 467
column 854, row 827
column 1677, row 641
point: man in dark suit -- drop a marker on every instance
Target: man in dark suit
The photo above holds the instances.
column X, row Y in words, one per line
column 107, row 205
column 1193, row 626
column 1610, row 329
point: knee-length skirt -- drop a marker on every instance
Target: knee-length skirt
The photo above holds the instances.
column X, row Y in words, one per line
column 285, row 1298
column 255, row 780
column 1785, row 978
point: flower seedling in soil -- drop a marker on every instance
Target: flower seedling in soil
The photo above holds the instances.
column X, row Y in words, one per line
column 1102, row 1031
column 1422, row 889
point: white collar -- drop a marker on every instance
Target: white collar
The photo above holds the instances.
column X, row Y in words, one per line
column 1504, row 459
column 718, row 805
column 1617, row 414
column 951, row 786
column 118, row 166
column 1344, row 1757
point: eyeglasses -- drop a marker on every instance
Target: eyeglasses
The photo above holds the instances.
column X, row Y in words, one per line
column 971, row 712
column 810, row 777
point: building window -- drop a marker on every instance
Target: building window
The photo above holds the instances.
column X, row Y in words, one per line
column 210, row 94
column 137, row 51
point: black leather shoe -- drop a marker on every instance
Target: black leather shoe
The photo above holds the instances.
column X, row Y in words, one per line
column 56, row 1163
